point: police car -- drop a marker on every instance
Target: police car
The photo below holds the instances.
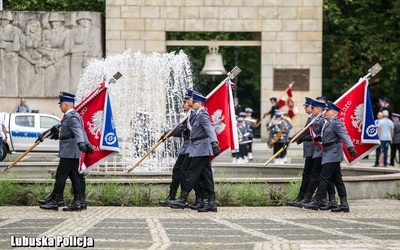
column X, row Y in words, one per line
column 24, row 128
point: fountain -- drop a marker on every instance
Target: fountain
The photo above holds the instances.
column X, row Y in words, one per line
column 145, row 101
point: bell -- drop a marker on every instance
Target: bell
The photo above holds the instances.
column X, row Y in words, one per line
column 213, row 64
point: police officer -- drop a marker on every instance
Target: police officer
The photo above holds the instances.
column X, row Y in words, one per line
column 243, row 137
column 251, row 124
column 317, row 107
column 181, row 130
column 395, row 147
column 73, row 141
column 308, row 150
column 333, row 134
column 203, row 143
column 277, row 137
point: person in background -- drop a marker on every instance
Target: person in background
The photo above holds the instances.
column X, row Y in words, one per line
column 252, row 125
column 395, row 147
column 385, row 105
column 238, row 108
column 3, row 136
column 277, row 137
column 385, row 133
column 22, row 107
column 243, row 136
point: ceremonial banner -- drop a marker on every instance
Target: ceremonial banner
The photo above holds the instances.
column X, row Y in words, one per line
column 358, row 118
column 287, row 105
column 220, row 107
column 98, row 122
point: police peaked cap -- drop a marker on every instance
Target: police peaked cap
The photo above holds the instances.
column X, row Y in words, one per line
column 198, row 97
column 316, row 103
column 66, row 97
column 332, row 106
column 307, row 101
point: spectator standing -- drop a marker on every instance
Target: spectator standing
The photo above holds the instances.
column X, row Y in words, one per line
column 395, row 147
column 22, row 107
column 238, row 107
column 3, row 128
column 385, row 133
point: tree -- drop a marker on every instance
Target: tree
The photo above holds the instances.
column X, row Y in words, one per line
column 55, row 5
column 357, row 34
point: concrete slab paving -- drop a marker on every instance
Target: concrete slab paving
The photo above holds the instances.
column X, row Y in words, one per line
column 371, row 224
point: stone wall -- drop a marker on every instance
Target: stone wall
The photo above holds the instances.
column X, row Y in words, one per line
column 43, row 53
column 291, row 33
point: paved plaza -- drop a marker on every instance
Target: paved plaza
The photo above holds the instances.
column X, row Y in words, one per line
column 371, row 224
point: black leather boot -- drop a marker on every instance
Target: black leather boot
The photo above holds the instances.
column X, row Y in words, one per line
column 293, row 203
column 181, row 202
column 76, row 204
column 202, row 203
column 343, row 207
column 83, row 202
column 302, row 202
column 315, row 204
column 54, row 203
column 196, row 202
column 170, row 197
column 49, row 198
column 331, row 204
column 210, row 206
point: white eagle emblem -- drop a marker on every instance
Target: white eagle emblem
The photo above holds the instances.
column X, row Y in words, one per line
column 357, row 118
column 96, row 124
column 216, row 120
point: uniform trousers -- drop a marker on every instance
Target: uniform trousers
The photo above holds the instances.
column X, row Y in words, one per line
column 394, row 148
column 199, row 171
column 331, row 172
column 305, row 181
column 176, row 173
column 67, row 168
column 250, row 145
column 277, row 147
column 315, row 179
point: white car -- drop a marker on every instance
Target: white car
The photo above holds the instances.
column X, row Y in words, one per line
column 24, row 128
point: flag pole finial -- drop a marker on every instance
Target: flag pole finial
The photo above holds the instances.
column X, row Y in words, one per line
column 373, row 71
column 115, row 77
column 234, row 72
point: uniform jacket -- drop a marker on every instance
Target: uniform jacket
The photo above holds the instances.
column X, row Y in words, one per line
column 334, row 132
column 70, row 134
column 396, row 134
column 305, row 137
column 317, row 131
column 243, row 133
column 275, row 127
column 201, row 128
column 182, row 131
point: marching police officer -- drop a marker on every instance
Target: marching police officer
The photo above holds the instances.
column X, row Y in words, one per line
column 73, row 141
column 252, row 125
column 203, row 143
column 333, row 133
column 308, row 150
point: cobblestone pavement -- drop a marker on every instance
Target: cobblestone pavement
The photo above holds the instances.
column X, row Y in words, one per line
column 371, row 224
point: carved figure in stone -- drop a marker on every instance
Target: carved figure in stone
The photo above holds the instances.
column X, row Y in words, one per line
column 9, row 47
column 85, row 44
column 31, row 74
column 55, row 50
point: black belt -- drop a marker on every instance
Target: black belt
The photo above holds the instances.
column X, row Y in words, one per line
column 66, row 137
column 325, row 145
column 199, row 138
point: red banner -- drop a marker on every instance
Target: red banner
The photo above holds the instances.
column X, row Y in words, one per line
column 287, row 105
column 357, row 117
column 93, row 112
column 220, row 107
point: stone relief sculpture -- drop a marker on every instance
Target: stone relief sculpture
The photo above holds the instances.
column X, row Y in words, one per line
column 55, row 50
column 43, row 53
column 9, row 47
column 84, row 46
column 30, row 70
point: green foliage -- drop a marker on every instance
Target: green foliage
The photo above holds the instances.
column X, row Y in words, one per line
column 55, row 5
column 248, row 82
column 358, row 34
